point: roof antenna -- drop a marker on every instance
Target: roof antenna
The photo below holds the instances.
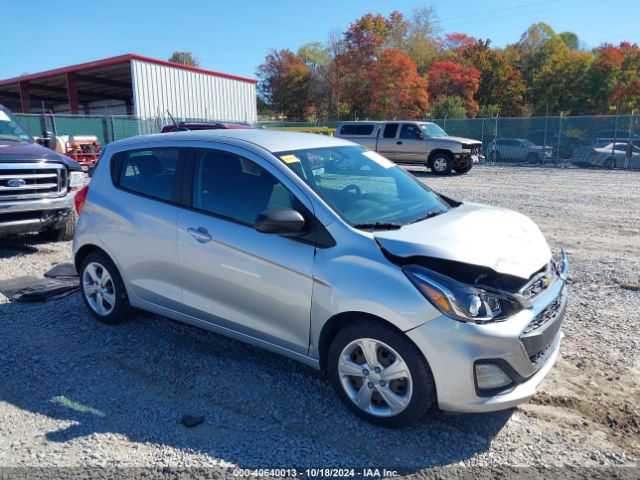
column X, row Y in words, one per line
column 178, row 127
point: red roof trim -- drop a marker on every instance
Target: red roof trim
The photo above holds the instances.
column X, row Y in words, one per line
column 119, row 59
column 193, row 69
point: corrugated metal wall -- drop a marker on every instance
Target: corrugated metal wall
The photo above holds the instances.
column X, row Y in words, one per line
column 190, row 95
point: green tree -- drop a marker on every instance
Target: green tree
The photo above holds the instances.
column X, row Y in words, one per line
column 561, row 83
column 570, row 39
column 184, row 58
column 421, row 43
column 449, row 107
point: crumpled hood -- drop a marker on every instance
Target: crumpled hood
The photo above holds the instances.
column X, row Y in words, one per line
column 462, row 140
column 497, row 238
column 33, row 152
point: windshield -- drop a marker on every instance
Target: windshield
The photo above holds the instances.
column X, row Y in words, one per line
column 363, row 187
column 11, row 130
column 432, row 130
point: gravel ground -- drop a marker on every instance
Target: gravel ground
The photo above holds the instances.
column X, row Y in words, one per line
column 74, row 392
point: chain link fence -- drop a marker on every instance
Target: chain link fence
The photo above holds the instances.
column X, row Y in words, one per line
column 611, row 141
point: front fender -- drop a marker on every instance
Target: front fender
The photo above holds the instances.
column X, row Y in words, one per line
column 346, row 280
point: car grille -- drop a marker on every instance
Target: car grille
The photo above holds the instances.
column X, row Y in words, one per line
column 544, row 316
column 542, row 333
column 540, row 283
column 539, row 358
column 32, row 181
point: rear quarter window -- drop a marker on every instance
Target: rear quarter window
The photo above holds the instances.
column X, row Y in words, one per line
column 356, row 130
column 150, row 172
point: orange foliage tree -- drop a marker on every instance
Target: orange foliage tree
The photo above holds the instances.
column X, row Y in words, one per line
column 452, row 79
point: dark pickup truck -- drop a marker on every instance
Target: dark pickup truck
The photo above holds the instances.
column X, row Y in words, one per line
column 37, row 185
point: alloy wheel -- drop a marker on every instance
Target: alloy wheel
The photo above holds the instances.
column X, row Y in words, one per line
column 375, row 377
column 440, row 164
column 99, row 289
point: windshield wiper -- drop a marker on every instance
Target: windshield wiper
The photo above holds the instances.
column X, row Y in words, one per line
column 425, row 216
column 378, row 226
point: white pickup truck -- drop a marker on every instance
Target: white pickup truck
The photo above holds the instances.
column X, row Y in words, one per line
column 413, row 142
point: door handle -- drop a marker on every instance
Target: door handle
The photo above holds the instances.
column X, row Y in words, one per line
column 201, row 234
column 399, row 142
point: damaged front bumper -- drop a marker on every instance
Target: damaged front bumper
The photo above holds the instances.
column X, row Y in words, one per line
column 524, row 347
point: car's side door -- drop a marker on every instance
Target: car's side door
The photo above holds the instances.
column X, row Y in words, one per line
column 141, row 225
column 411, row 144
column 510, row 150
column 388, row 145
column 233, row 276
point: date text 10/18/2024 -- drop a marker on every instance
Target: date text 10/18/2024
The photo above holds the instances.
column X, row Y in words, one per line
column 316, row 472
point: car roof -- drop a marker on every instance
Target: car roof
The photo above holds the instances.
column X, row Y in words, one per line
column 271, row 140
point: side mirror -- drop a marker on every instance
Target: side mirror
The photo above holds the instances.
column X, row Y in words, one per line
column 280, row 221
column 48, row 140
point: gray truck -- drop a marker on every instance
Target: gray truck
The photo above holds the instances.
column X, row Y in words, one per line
column 37, row 185
column 413, row 142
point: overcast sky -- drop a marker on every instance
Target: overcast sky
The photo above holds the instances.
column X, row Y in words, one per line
column 233, row 36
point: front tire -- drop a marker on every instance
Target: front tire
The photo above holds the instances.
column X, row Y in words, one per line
column 102, row 289
column 533, row 158
column 380, row 375
column 64, row 233
column 441, row 163
column 464, row 169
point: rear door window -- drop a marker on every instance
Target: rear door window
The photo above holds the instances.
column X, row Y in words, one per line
column 150, row 172
column 390, row 130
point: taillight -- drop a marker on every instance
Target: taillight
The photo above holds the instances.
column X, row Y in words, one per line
column 80, row 198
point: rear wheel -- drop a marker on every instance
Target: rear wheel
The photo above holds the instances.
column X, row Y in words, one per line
column 441, row 163
column 380, row 375
column 102, row 288
column 610, row 163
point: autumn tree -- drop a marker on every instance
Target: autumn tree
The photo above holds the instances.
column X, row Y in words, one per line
column 502, row 88
column 381, row 79
column 451, row 79
column 363, row 44
column 285, row 84
column 184, row 58
column 397, row 89
column 626, row 92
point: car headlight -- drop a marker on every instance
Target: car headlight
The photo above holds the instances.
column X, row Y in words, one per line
column 76, row 180
column 460, row 301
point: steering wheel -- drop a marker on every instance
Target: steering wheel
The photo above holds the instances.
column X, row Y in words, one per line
column 353, row 187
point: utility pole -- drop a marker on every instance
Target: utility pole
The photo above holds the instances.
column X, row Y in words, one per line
column 546, row 120
column 559, row 136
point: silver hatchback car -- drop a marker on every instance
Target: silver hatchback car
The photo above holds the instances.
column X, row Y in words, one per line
column 326, row 252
